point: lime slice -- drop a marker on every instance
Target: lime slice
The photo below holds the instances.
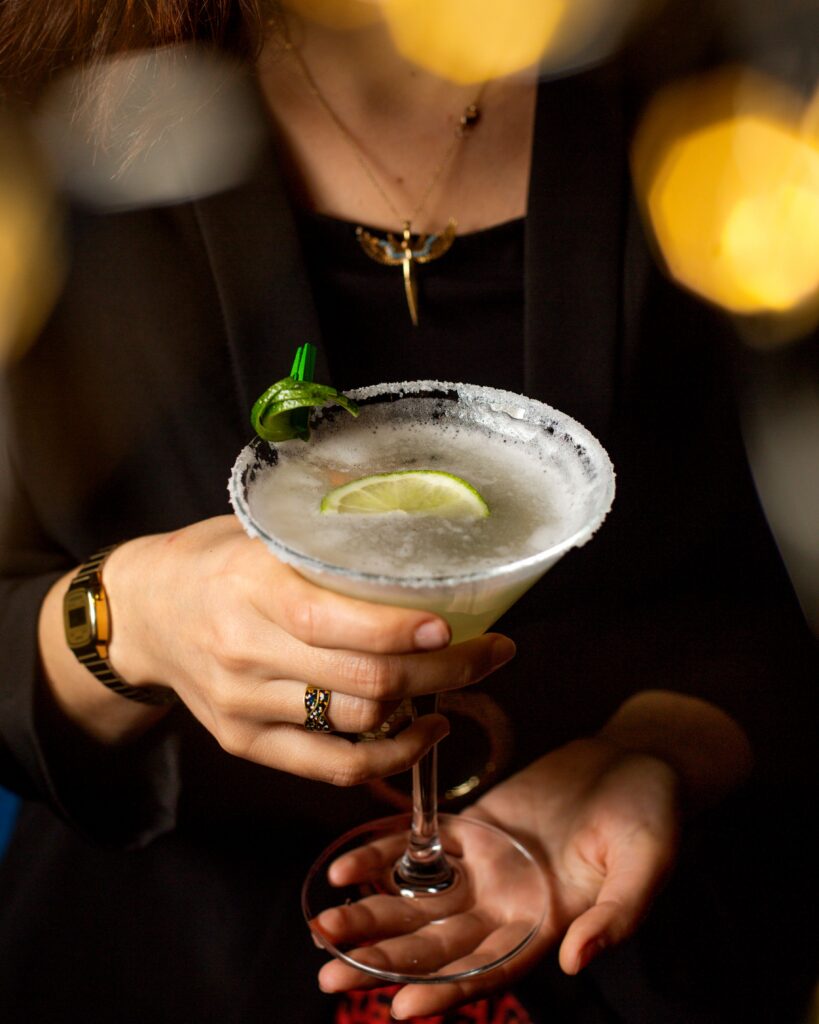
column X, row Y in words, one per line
column 425, row 492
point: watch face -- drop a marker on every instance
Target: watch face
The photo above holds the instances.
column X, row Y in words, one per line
column 79, row 618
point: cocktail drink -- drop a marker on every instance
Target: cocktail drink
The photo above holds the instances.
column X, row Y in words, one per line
column 538, row 484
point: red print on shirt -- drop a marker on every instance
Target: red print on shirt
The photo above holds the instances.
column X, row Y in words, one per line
column 373, row 1007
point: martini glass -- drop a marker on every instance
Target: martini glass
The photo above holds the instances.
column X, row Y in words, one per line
column 428, row 897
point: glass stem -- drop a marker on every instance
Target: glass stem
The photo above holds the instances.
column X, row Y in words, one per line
column 424, row 868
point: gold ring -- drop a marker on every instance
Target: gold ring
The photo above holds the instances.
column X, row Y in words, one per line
column 316, row 703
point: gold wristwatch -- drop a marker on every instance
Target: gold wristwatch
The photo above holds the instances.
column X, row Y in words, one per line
column 87, row 622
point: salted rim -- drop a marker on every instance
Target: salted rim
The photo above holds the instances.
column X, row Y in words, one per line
column 517, row 407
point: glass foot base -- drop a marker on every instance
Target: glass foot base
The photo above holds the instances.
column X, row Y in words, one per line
column 361, row 911
column 434, row 886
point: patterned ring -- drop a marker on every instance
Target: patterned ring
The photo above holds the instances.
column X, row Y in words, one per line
column 316, row 703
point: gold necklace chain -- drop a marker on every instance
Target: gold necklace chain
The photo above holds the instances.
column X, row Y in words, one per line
column 409, row 250
column 468, row 119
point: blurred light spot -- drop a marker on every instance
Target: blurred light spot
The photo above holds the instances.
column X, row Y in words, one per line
column 340, row 14
column 727, row 171
column 150, row 128
column 773, row 242
column 31, row 264
column 470, row 41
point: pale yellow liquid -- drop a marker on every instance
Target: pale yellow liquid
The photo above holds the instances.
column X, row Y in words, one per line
column 469, row 613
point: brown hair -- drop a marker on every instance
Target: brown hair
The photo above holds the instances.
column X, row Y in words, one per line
column 39, row 39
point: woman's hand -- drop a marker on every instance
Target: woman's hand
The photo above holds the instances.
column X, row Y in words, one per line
column 238, row 635
column 602, row 822
column 600, row 815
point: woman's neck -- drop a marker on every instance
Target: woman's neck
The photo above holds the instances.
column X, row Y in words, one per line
column 367, row 131
column 363, row 72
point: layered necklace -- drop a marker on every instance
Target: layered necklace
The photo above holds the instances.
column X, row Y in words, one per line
column 406, row 250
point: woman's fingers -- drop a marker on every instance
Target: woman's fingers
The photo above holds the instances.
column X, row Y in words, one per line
column 283, row 700
column 386, row 916
column 442, row 946
column 391, row 677
column 322, row 618
column 327, row 758
column 467, row 946
column 366, row 863
column 426, row 1000
column 364, row 689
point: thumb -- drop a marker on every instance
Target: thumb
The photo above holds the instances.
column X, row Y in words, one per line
column 634, row 873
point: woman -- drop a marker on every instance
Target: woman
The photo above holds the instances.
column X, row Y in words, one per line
column 156, row 866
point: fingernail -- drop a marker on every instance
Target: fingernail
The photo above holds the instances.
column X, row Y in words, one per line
column 429, row 636
column 503, row 649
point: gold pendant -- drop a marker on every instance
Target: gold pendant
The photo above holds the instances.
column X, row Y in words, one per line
column 391, row 252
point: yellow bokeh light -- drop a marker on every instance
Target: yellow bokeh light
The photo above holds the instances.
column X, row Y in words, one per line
column 31, row 266
column 470, row 41
column 727, row 169
column 772, row 241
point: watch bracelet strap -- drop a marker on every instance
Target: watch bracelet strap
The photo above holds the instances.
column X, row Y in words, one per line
column 100, row 668
column 89, row 571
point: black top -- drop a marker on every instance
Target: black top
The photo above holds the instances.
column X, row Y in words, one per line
column 470, row 304
column 160, row 880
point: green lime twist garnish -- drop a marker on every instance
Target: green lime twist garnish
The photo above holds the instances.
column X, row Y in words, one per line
column 281, row 413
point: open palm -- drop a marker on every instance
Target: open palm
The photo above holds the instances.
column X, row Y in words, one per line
column 601, row 822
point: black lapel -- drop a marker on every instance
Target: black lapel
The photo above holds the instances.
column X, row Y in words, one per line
column 574, row 244
column 255, row 256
